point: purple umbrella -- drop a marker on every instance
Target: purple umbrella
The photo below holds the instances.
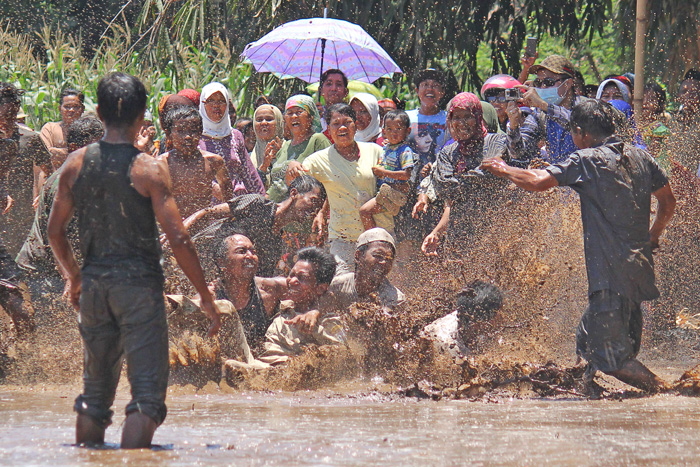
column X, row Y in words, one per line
column 302, row 48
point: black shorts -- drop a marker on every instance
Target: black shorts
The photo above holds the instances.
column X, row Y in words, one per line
column 121, row 321
column 610, row 331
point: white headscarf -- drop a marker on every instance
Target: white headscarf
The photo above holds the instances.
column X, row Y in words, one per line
column 370, row 133
column 214, row 129
column 258, row 154
column 624, row 90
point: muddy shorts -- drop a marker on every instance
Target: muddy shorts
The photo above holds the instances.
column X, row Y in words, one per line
column 123, row 322
column 390, row 199
column 610, row 331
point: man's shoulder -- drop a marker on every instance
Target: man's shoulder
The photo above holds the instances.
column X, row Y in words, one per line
column 342, row 282
column 390, row 295
column 250, row 202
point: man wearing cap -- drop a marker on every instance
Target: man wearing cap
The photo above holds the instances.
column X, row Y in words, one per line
column 552, row 98
column 430, row 85
column 374, row 258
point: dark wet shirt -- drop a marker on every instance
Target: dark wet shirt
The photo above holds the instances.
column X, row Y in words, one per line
column 117, row 225
column 255, row 215
column 615, row 182
column 253, row 317
column 35, row 255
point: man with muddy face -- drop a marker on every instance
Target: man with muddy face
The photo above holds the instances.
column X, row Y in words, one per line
column 262, row 219
column 615, row 182
column 374, row 258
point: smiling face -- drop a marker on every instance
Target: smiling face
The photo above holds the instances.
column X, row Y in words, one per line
column 306, row 206
column 342, row 128
column 71, row 109
column 375, row 261
column 265, row 125
column 298, row 120
column 462, row 124
column 216, row 106
column 241, row 259
column 185, row 135
column 334, row 90
column 302, row 286
column 430, row 92
column 363, row 116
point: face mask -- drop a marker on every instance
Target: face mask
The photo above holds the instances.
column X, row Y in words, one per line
column 550, row 95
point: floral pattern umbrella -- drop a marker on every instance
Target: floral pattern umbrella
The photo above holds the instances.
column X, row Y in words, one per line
column 302, row 48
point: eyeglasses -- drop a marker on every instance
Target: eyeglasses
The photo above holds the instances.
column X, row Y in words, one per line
column 547, row 82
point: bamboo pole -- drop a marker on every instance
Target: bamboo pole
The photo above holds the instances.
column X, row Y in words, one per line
column 641, row 31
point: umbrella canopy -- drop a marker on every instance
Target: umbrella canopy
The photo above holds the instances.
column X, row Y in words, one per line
column 300, row 48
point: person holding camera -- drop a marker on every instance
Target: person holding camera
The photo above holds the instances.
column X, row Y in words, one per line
column 551, row 99
column 503, row 93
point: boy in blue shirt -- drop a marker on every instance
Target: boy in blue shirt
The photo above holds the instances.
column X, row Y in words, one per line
column 393, row 170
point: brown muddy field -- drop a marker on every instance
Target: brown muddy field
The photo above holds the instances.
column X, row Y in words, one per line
column 530, row 245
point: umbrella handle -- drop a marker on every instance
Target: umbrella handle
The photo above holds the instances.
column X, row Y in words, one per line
column 323, row 52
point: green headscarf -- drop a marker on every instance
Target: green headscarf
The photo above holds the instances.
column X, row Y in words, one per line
column 307, row 103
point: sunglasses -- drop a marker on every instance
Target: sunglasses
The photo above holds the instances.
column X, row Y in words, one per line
column 496, row 99
column 547, row 82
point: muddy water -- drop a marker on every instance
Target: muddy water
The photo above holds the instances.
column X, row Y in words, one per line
column 321, row 428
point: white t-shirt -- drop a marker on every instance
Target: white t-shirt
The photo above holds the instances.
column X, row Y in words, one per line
column 348, row 185
column 436, row 124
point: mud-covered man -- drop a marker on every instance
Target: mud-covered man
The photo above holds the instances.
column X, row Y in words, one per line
column 15, row 143
column 118, row 193
column 615, row 182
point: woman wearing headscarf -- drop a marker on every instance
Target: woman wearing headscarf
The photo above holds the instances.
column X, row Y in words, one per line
column 301, row 117
column 613, row 89
column 366, row 108
column 268, row 125
column 456, row 179
column 220, row 138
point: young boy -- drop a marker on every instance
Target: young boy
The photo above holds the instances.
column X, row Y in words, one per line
column 393, row 170
column 191, row 169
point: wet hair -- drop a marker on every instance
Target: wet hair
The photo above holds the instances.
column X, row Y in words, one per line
column 121, row 99
column 178, row 113
column 305, row 183
column 340, row 108
column 478, row 301
column 332, row 71
column 241, row 120
column 324, row 263
column 593, row 117
column 399, row 115
column 71, row 92
column 659, row 93
column 692, row 74
column 85, row 130
column 9, row 94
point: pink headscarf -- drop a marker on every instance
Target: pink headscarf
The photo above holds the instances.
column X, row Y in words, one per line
column 468, row 101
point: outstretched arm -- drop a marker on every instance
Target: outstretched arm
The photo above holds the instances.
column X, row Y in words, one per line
column 527, row 179
column 213, row 212
column 667, row 204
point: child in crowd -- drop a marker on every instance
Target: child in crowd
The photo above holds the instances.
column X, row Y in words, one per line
column 393, row 171
column 192, row 169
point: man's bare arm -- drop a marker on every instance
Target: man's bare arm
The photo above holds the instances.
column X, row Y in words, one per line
column 61, row 214
column 218, row 211
column 664, row 213
column 272, row 290
column 151, row 176
column 222, row 176
column 527, row 179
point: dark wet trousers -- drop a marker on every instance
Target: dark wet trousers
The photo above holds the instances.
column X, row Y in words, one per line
column 610, row 331
column 121, row 321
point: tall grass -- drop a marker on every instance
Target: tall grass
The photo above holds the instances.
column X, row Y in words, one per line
column 43, row 71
